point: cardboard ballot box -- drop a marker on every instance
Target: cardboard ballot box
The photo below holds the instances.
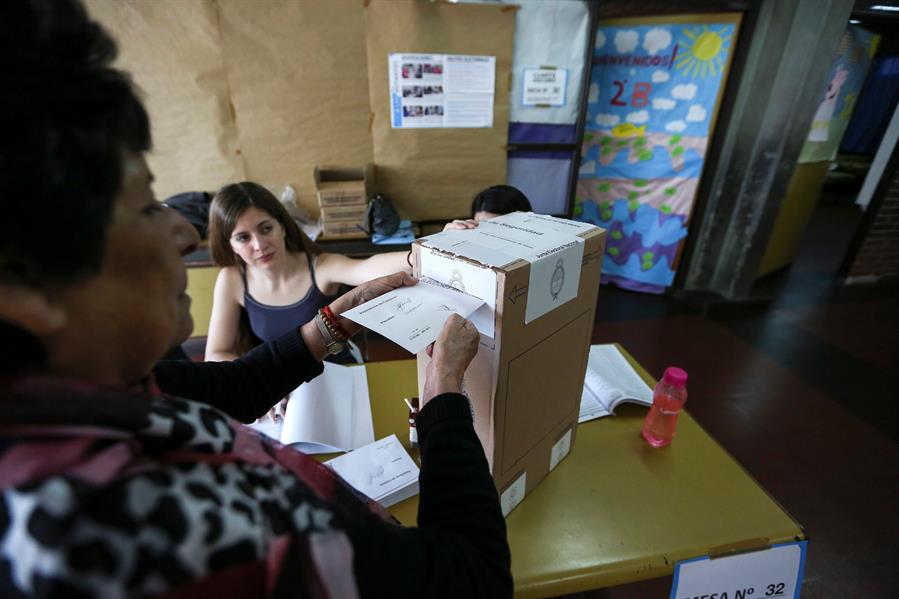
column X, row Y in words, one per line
column 539, row 277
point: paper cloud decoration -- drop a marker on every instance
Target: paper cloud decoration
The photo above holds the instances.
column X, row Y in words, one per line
column 684, row 91
column 656, row 39
column 663, row 103
column 607, row 120
column 696, row 113
column 640, row 116
column 626, row 41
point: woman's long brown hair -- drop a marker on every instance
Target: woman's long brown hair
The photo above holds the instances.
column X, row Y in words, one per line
column 227, row 207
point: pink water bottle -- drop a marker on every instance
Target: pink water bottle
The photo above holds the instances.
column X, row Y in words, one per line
column 667, row 400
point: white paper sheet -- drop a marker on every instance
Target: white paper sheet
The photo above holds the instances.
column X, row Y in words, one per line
column 412, row 317
column 769, row 573
column 330, row 413
column 381, row 470
column 610, row 380
column 469, row 278
column 544, row 87
column 550, row 244
column 441, row 90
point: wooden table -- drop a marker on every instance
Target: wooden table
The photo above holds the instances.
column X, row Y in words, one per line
column 615, row 510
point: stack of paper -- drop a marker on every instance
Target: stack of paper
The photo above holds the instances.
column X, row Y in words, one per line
column 610, row 380
column 330, row 413
column 381, row 470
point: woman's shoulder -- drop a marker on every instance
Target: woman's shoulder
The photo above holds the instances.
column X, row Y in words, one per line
column 229, row 281
column 229, row 275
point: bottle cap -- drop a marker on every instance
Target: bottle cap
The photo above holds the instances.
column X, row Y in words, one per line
column 675, row 376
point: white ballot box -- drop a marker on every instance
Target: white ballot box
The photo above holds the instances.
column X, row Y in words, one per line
column 539, row 278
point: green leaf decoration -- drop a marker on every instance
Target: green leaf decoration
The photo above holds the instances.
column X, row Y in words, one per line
column 677, row 151
column 617, row 234
column 588, row 136
column 604, row 141
column 621, row 143
column 648, row 256
column 605, row 151
column 604, row 187
column 633, row 205
column 612, row 251
column 645, row 155
column 647, row 266
column 670, row 191
column 675, row 138
column 633, row 195
column 665, row 208
column 606, row 215
column 641, row 141
column 640, row 182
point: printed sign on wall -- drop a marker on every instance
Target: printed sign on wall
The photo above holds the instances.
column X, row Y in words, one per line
column 653, row 97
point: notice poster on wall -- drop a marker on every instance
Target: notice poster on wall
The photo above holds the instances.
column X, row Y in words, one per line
column 441, row 90
column 653, row 96
column 544, row 87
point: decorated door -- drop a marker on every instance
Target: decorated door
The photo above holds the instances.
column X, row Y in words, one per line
column 654, row 93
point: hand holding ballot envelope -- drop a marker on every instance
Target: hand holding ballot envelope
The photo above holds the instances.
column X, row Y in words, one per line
column 412, row 317
column 450, row 354
column 367, row 292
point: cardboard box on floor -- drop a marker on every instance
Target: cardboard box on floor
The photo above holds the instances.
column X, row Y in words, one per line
column 343, row 186
column 526, row 381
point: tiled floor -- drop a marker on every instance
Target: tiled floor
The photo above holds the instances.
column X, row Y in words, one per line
column 802, row 393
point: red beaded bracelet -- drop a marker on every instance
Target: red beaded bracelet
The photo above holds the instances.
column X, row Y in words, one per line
column 335, row 325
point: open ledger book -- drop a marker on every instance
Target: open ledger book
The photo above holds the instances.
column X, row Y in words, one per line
column 610, row 380
column 328, row 414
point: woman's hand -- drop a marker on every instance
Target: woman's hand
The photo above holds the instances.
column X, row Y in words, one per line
column 460, row 224
column 455, row 348
column 361, row 294
column 366, row 292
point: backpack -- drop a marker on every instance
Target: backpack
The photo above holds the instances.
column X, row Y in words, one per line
column 382, row 217
column 194, row 206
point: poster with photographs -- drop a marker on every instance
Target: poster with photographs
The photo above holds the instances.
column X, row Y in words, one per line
column 441, row 90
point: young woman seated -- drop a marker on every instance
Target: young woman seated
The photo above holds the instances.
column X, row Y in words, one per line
column 273, row 277
column 490, row 203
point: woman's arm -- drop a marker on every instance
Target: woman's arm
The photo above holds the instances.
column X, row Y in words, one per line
column 335, row 269
column 225, row 316
column 248, row 386
column 459, row 548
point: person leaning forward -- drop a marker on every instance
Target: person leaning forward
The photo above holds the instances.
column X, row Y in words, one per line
column 112, row 487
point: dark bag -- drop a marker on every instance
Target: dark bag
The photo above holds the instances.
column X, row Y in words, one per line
column 382, row 216
column 194, row 206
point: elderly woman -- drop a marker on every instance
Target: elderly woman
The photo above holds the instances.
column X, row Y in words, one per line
column 112, row 486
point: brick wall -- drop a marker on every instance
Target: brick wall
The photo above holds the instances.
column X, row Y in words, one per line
column 878, row 255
